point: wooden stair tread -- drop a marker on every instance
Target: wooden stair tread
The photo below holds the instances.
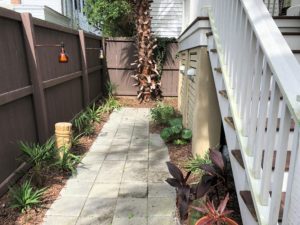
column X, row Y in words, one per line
column 218, row 69
column 223, row 93
column 209, row 34
column 213, row 50
column 230, row 121
column 238, row 156
column 247, row 198
column 296, row 51
column 286, row 17
column 290, row 33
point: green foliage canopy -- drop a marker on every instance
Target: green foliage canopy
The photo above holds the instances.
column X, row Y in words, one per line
column 113, row 17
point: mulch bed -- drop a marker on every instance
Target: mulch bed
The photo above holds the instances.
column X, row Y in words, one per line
column 55, row 180
column 179, row 155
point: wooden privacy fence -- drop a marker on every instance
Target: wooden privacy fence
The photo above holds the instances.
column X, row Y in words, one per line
column 36, row 91
column 120, row 55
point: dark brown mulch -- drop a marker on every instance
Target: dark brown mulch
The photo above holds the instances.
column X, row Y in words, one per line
column 55, row 180
column 131, row 101
column 179, row 155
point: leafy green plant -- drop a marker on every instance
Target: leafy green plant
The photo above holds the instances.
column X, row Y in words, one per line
column 84, row 123
column 214, row 175
column 161, row 51
column 38, row 155
column 213, row 215
column 114, row 17
column 25, row 197
column 194, row 164
column 68, row 161
column 110, row 104
column 111, row 88
column 162, row 113
column 176, row 133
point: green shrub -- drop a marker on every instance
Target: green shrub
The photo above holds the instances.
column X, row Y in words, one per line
column 110, row 104
column 162, row 113
column 68, row 161
column 84, row 123
column 194, row 164
column 25, row 197
column 176, row 133
column 38, row 156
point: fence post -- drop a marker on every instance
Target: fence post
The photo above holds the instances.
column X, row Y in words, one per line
column 85, row 75
column 36, row 80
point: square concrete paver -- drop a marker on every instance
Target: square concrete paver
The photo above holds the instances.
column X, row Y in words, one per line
column 67, row 206
column 161, row 190
column 104, row 191
column 131, row 207
column 161, row 206
column 133, row 190
column 76, row 188
column 130, row 221
column 102, row 208
column 56, row 220
column 94, row 220
column 111, row 172
column 120, row 180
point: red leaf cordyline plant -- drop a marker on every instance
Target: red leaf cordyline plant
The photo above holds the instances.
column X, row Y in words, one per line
column 213, row 215
column 214, row 175
column 146, row 74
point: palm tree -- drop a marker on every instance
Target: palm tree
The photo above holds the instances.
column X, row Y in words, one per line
column 146, row 73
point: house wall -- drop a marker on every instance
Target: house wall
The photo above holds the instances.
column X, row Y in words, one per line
column 167, row 17
column 198, row 101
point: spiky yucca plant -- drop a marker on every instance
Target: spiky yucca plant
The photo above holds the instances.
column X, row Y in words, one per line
column 146, row 75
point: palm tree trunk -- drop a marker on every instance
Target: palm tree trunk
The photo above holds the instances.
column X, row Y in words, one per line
column 146, row 69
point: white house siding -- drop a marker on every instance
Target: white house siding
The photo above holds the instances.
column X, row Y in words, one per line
column 167, row 17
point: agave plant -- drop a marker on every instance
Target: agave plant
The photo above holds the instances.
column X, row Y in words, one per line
column 213, row 215
column 146, row 74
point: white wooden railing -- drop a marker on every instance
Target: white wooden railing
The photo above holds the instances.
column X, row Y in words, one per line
column 273, row 6
column 256, row 61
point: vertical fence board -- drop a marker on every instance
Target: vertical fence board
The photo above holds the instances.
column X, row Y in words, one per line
column 120, row 54
column 36, row 91
column 34, row 68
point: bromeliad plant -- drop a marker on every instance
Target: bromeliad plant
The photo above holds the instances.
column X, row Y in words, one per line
column 213, row 215
column 176, row 133
column 25, row 197
column 214, row 175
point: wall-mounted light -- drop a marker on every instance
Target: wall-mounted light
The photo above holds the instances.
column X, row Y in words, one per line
column 191, row 73
column 101, row 53
column 182, row 69
column 63, row 56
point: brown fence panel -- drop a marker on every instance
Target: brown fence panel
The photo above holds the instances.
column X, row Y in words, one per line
column 120, row 55
column 35, row 90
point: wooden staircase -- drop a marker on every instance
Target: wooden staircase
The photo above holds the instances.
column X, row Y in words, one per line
column 256, row 105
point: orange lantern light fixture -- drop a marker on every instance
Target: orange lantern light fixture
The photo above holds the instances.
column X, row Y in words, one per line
column 63, row 56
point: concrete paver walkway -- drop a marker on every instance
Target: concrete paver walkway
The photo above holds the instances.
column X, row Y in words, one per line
column 121, row 180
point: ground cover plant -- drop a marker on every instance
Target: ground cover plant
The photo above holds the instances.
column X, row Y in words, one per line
column 162, row 113
column 194, row 163
column 25, row 196
column 176, row 133
column 28, row 199
column 214, row 175
column 39, row 156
